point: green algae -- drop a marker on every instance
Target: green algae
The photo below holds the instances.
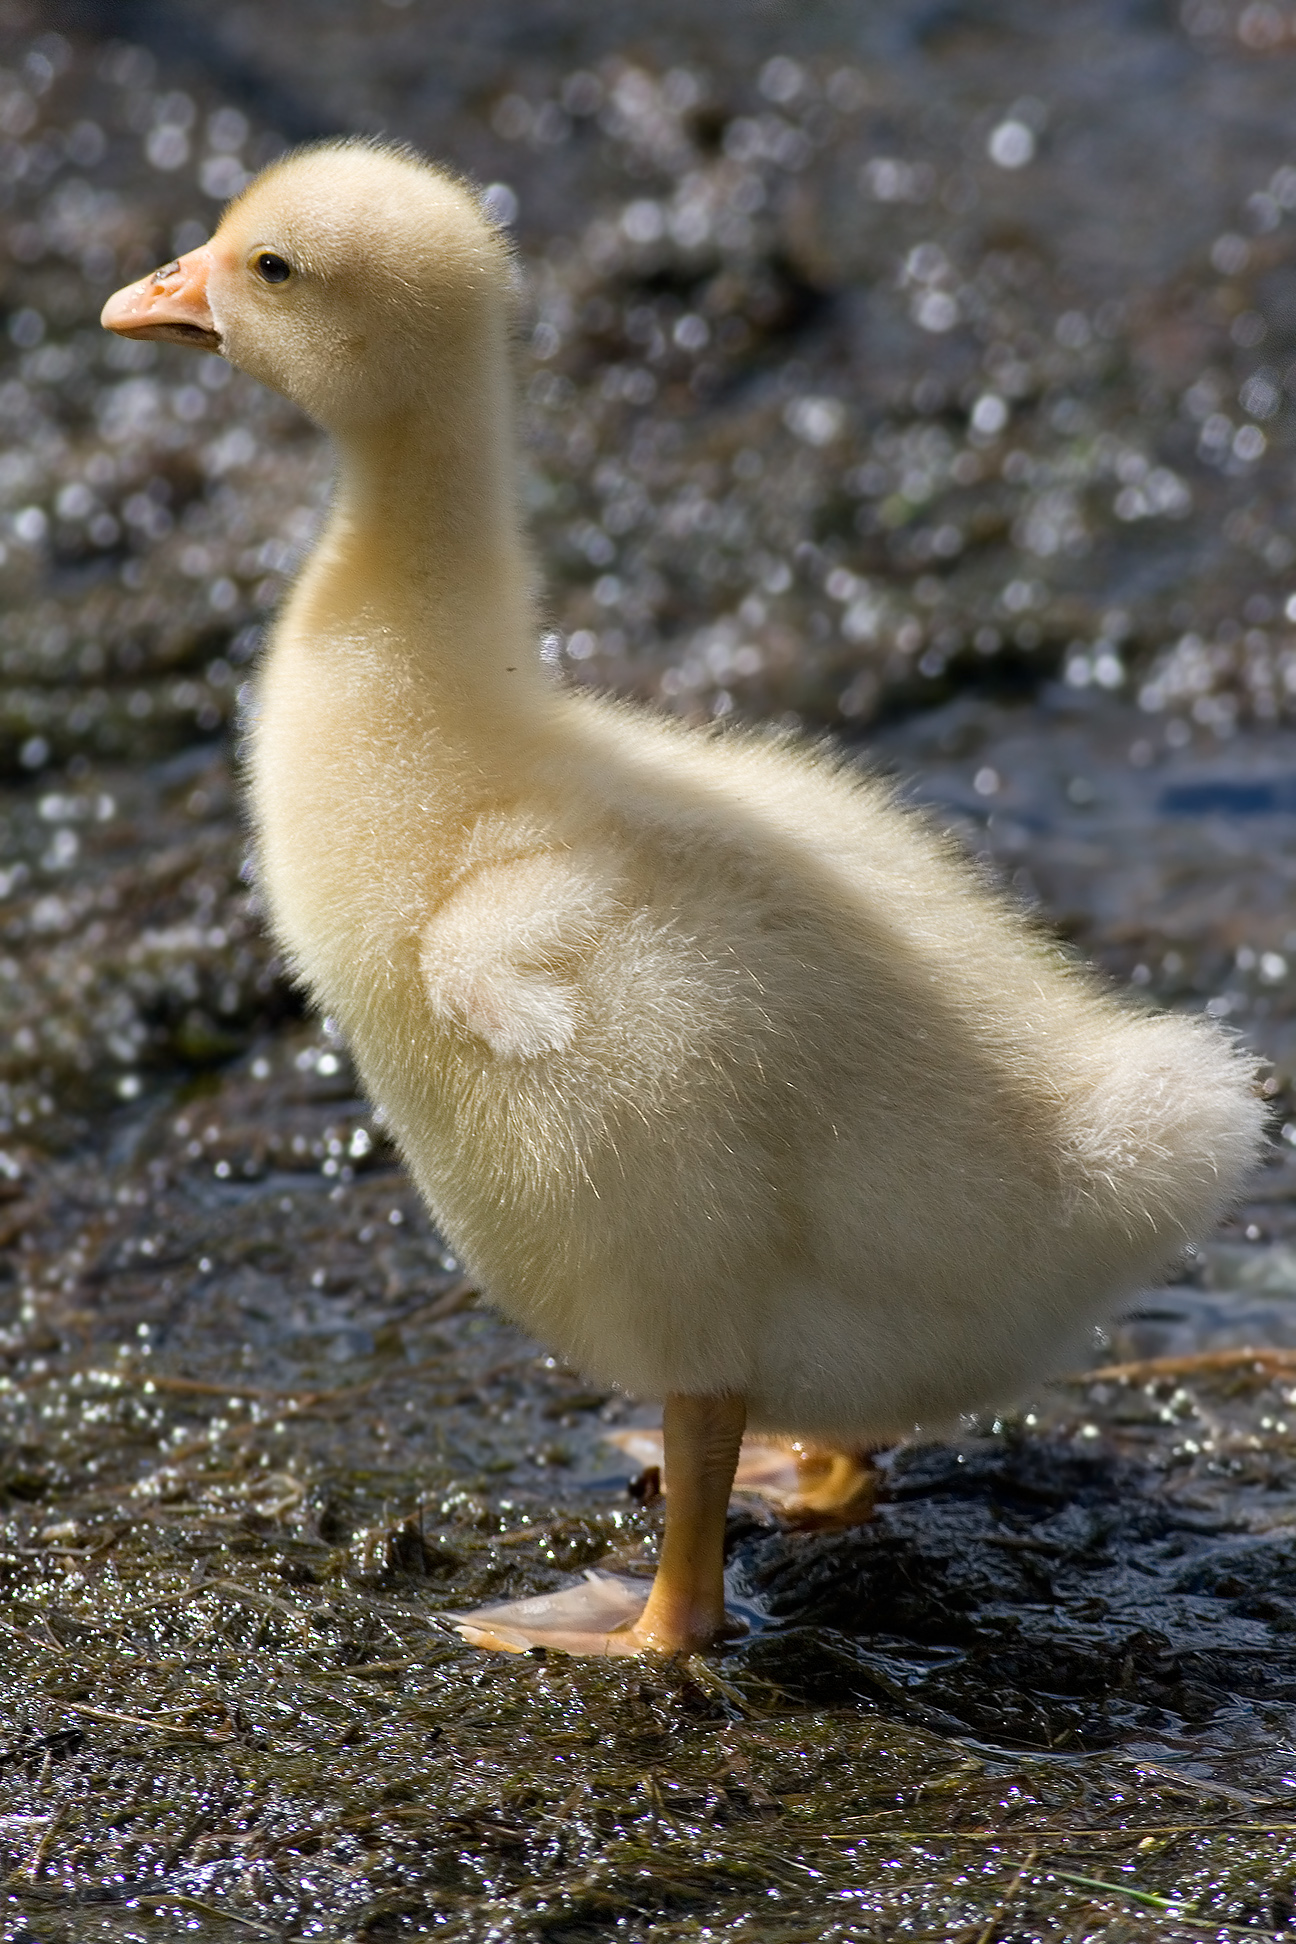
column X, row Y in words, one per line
column 231, row 1695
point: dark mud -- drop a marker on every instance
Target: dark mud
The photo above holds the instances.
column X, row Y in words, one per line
column 921, row 373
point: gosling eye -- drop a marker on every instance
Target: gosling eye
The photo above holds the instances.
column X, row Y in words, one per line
column 270, row 268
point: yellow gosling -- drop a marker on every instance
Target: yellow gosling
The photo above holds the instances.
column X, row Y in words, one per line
column 724, row 1073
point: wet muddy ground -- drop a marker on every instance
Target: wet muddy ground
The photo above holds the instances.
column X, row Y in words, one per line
column 921, row 376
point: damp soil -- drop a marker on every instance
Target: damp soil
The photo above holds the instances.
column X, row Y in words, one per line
column 921, row 377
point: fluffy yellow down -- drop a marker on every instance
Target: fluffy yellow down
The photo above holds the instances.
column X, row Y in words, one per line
column 720, row 1069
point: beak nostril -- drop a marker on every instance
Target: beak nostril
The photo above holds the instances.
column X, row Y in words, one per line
column 169, row 302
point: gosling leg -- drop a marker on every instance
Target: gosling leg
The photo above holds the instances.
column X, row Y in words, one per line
column 686, row 1609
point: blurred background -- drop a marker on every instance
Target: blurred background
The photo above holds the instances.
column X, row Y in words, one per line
column 873, row 360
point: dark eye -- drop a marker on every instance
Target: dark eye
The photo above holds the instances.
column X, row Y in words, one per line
column 270, row 268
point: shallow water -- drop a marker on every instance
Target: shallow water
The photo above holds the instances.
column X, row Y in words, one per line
column 919, row 372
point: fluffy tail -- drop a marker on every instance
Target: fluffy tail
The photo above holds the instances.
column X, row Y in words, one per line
column 1162, row 1143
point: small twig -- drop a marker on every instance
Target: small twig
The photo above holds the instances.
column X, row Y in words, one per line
column 1191, row 1784
column 147, row 1721
column 650, row 1783
column 1005, row 1902
column 448, row 1303
column 232, row 1434
column 203, row 1820
column 190, row 1592
column 1199, row 1364
column 1057, row 1838
column 100, row 1547
column 707, row 1678
column 738, row 1770
column 293, row 1400
column 361, row 1670
column 253, row 1596
column 32, row 1868
column 177, row 1898
column 30, row 1640
column 199, row 1387
column 346, row 1392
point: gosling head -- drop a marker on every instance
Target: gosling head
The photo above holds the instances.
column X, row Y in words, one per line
column 357, row 280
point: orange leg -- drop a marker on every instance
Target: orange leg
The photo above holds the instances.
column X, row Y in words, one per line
column 685, row 1607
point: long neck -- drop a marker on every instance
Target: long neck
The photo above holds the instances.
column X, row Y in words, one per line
column 424, row 551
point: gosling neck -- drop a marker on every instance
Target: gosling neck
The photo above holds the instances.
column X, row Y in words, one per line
column 425, row 551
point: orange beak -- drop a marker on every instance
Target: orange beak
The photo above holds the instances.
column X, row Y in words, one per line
column 170, row 303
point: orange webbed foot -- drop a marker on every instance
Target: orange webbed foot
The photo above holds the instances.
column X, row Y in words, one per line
column 808, row 1484
column 596, row 1616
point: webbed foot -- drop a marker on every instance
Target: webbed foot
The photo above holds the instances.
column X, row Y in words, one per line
column 595, row 1616
column 809, row 1484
